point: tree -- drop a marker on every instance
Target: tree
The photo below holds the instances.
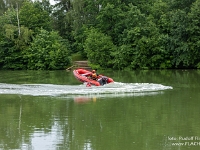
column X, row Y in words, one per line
column 107, row 19
column 194, row 34
column 63, row 22
column 178, row 39
column 13, row 41
column 99, row 49
column 47, row 52
column 6, row 4
column 2, row 7
column 180, row 4
column 34, row 16
column 83, row 16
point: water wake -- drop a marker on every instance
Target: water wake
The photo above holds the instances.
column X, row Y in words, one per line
column 69, row 90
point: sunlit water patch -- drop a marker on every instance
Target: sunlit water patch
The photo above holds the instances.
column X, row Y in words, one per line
column 69, row 90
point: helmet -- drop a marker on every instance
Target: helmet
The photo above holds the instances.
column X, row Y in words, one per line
column 93, row 71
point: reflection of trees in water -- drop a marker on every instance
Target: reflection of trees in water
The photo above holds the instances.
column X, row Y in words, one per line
column 21, row 117
column 113, row 123
column 77, row 125
column 10, row 124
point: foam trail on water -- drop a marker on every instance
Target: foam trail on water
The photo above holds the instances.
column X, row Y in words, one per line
column 60, row 90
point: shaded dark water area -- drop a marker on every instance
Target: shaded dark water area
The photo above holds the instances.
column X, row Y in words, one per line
column 142, row 110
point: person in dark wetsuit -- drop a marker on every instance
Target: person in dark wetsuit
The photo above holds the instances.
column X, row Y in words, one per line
column 102, row 80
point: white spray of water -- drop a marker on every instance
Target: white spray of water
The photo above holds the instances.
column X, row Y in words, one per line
column 67, row 90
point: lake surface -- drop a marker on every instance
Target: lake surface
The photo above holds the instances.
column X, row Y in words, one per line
column 141, row 110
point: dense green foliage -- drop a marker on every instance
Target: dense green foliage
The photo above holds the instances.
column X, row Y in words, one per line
column 139, row 34
column 46, row 52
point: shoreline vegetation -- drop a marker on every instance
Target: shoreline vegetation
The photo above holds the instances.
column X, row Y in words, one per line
column 119, row 35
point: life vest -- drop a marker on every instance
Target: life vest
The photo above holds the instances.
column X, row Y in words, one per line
column 94, row 76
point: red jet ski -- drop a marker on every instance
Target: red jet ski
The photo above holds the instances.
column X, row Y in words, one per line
column 84, row 76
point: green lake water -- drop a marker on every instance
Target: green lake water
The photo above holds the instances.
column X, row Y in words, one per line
column 142, row 110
